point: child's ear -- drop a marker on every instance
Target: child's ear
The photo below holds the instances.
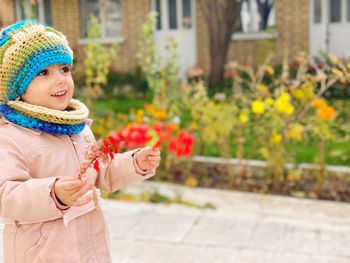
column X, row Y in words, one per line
column 19, row 98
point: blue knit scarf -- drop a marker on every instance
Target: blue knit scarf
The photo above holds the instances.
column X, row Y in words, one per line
column 33, row 123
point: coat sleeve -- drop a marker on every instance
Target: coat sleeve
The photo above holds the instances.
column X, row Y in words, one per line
column 23, row 198
column 120, row 172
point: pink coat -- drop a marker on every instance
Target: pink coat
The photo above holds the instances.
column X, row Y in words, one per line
column 36, row 229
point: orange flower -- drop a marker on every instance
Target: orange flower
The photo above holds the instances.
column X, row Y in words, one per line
column 326, row 112
column 150, row 108
column 160, row 114
column 318, row 103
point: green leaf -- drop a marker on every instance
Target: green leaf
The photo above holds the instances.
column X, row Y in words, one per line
column 155, row 138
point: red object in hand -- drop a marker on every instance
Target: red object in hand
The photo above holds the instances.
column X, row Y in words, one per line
column 103, row 149
column 133, row 137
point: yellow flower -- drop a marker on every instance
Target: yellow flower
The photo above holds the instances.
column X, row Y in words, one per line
column 194, row 125
column 270, row 71
column 296, row 132
column 299, row 94
column 110, row 124
column 318, row 103
column 333, row 58
column 122, row 116
column 269, row 101
column 140, row 112
column 308, row 91
column 326, row 113
column 139, row 119
column 191, row 181
column 276, row 138
column 289, row 109
column 281, row 106
column 263, row 88
column 161, row 114
column 217, row 106
column 285, row 97
column 243, row 117
column 348, row 65
column 337, row 72
column 99, row 130
column 258, row 107
column 139, row 115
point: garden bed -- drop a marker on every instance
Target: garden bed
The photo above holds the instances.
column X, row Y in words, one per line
column 298, row 181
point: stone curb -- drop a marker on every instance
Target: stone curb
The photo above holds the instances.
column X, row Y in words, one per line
column 229, row 201
column 258, row 163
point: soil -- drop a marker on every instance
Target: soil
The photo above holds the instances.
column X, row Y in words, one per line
column 297, row 183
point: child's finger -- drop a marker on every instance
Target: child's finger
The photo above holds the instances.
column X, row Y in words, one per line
column 67, row 179
column 82, row 201
column 153, row 158
column 74, row 184
column 82, row 191
column 157, row 154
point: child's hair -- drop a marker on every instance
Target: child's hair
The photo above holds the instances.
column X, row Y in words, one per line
column 26, row 48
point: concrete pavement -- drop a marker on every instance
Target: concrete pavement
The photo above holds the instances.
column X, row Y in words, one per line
column 244, row 228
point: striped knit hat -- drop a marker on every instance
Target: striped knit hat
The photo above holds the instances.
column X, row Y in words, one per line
column 26, row 48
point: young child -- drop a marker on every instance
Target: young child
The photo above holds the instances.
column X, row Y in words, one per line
column 49, row 214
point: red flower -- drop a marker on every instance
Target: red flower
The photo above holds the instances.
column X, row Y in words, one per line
column 182, row 144
column 137, row 136
column 96, row 166
column 157, row 127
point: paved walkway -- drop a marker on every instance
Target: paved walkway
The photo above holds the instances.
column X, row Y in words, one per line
column 244, row 228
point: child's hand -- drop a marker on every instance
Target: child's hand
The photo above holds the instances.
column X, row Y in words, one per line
column 68, row 190
column 148, row 158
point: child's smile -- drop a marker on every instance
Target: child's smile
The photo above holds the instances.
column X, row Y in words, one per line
column 52, row 88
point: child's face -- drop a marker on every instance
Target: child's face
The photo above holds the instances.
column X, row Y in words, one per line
column 52, row 88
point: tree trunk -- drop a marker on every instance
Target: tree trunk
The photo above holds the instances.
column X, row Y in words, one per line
column 222, row 17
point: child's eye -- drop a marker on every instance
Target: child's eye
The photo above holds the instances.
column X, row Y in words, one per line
column 65, row 69
column 44, row 72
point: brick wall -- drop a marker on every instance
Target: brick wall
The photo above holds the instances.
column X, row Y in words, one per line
column 134, row 14
column 7, row 13
column 292, row 28
column 66, row 19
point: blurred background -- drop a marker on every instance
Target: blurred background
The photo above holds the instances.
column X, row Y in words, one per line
column 247, row 95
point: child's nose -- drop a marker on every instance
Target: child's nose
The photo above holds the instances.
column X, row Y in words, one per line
column 60, row 78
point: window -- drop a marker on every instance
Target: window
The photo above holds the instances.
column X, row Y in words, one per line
column 172, row 14
column 186, row 14
column 159, row 16
column 335, row 11
column 257, row 16
column 37, row 10
column 108, row 13
column 317, row 11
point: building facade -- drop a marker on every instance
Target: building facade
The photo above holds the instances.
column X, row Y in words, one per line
column 287, row 32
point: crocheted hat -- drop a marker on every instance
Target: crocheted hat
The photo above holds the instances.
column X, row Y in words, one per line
column 25, row 49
